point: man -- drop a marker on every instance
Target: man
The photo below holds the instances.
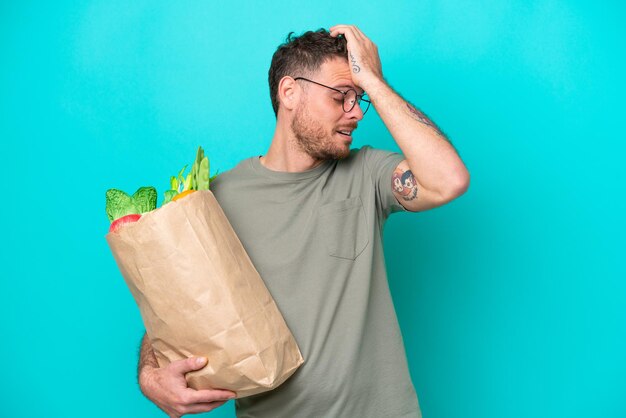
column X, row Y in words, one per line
column 310, row 215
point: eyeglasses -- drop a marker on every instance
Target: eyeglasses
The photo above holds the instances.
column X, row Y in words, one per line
column 350, row 97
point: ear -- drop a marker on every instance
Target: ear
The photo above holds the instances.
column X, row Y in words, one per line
column 288, row 93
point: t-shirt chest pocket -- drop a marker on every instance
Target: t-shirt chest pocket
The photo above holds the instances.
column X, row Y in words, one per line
column 344, row 227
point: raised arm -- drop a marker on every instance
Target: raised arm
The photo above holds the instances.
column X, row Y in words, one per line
column 434, row 170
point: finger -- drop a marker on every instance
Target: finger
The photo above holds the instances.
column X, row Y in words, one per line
column 347, row 28
column 360, row 33
column 357, row 32
column 203, row 407
column 339, row 29
column 348, row 33
column 188, row 365
column 208, row 395
column 342, row 26
column 335, row 27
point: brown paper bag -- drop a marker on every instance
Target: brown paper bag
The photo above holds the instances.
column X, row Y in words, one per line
column 200, row 295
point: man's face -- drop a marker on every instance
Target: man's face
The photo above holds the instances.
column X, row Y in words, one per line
column 319, row 116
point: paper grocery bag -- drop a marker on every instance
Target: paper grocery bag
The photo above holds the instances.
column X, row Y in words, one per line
column 200, row 295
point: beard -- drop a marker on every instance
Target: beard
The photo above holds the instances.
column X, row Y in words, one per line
column 314, row 139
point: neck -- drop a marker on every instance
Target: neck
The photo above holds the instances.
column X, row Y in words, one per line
column 285, row 154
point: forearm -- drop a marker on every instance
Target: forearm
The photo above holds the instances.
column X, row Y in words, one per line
column 146, row 356
column 431, row 157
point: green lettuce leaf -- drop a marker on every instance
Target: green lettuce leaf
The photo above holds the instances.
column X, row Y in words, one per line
column 145, row 199
column 119, row 204
column 169, row 194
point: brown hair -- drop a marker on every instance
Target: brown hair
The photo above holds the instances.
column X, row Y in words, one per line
column 303, row 55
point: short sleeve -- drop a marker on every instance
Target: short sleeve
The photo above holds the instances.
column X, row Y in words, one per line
column 381, row 165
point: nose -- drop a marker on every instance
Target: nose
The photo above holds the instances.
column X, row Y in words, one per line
column 356, row 112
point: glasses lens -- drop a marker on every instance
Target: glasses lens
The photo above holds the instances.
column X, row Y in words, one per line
column 349, row 100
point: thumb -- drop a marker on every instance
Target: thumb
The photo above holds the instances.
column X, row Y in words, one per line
column 188, row 365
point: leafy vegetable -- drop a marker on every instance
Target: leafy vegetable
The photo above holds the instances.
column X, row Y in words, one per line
column 203, row 173
column 197, row 178
column 169, row 194
column 119, row 203
column 145, row 199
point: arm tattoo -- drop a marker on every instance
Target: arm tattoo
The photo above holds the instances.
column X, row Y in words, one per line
column 404, row 184
column 421, row 117
column 355, row 68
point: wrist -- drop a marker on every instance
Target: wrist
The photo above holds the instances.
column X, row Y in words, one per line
column 373, row 87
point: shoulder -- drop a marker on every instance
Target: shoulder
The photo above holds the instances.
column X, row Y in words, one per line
column 232, row 176
column 378, row 162
column 359, row 156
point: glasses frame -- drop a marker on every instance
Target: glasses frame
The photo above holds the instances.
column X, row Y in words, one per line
column 359, row 97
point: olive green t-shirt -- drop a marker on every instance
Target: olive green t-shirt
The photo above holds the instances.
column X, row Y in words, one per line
column 315, row 238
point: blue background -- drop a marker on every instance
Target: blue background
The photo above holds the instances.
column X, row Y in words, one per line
column 511, row 299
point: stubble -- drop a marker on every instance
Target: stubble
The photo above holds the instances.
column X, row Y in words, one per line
column 313, row 139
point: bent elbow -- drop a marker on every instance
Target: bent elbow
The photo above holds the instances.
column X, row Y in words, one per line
column 463, row 184
column 457, row 187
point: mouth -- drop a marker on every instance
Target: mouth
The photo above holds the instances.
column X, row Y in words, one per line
column 347, row 133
